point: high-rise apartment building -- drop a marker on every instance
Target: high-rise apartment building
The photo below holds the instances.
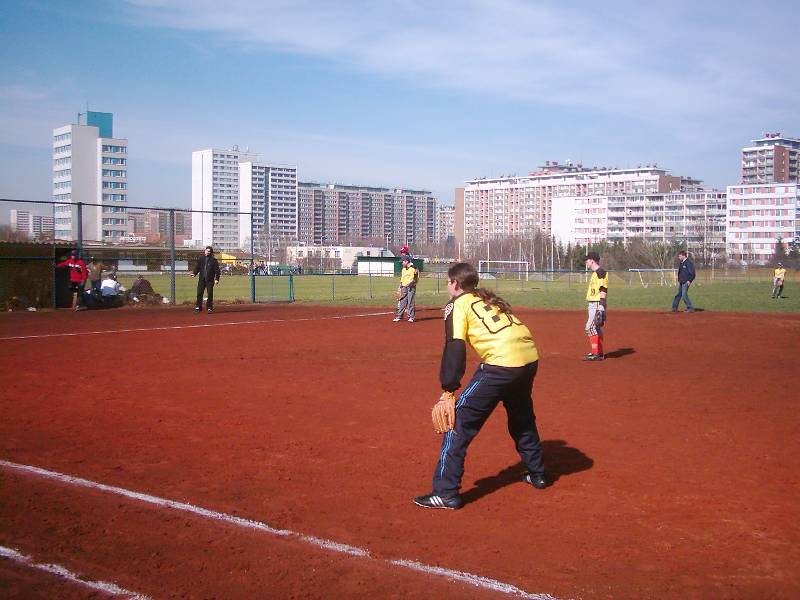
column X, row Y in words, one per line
column 547, row 200
column 344, row 214
column 444, row 224
column 696, row 218
column 153, row 225
column 760, row 215
column 771, row 159
column 21, row 220
column 269, row 191
column 215, row 187
column 37, row 227
column 90, row 166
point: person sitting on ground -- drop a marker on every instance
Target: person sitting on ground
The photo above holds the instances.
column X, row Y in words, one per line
column 111, row 291
column 19, row 303
column 142, row 291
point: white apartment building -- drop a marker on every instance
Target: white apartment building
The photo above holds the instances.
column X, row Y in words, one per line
column 215, row 187
column 90, row 166
column 696, row 218
column 21, row 220
column 758, row 216
column 37, row 227
column 773, row 158
column 269, row 191
column 445, row 223
column 547, row 200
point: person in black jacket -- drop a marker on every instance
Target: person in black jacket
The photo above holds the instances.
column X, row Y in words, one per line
column 685, row 279
column 208, row 269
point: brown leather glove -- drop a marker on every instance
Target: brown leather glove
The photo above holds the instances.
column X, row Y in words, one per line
column 443, row 414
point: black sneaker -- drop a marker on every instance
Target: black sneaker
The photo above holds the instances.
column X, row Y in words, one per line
column 210, row 310
column 537, row 481
column 196, row 309
column 594, row 357
column 434, row 501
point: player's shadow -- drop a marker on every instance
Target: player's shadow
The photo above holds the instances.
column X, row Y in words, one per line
column 620, row 352
column 560, row 459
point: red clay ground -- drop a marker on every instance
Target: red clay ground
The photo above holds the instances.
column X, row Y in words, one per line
column 675, row 463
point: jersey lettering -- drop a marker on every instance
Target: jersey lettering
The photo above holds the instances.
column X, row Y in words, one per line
column 492, row 319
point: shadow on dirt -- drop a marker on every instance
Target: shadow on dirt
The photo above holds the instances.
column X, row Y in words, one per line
column 560, row 460
column 620, row 352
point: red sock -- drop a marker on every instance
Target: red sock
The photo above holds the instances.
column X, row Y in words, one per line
column 599, row 344
column 594, row 340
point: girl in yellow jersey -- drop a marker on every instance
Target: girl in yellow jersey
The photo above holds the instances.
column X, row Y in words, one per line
column 777, row 282
column 596, row 295
column 509, row 362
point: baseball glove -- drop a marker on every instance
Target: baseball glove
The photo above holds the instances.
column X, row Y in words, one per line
column 599, row 318
column 444, row 413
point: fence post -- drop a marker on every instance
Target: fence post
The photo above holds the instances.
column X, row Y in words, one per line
column 172, row 256
column 252, row 267
column 333, row 287
column 370, row 280
column 80, row 229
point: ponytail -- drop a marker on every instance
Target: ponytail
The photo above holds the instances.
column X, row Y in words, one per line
column 467, row 278
column 489, row 297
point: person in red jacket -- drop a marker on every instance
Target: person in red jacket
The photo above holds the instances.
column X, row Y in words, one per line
column 77, row 278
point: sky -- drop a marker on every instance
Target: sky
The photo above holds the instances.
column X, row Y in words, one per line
column 393, row 93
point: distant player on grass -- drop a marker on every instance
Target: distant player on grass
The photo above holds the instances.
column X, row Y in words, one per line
column 777, row 282
column 596, row 295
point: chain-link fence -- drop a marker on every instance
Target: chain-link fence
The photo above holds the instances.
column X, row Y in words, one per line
column 149, row 251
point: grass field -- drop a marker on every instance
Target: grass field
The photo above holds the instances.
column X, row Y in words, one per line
column 565, row 291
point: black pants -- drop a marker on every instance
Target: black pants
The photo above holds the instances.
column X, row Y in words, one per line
column 488, row 387
column 203, row 285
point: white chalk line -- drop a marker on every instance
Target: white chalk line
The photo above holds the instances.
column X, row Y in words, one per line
column 197, row 326
column 101, row 586
column 470, row 578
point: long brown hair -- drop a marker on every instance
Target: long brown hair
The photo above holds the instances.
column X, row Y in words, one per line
column 467, row 278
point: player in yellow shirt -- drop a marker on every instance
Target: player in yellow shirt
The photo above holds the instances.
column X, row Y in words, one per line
column 509, row 360
column 407, row 292
column 777, row 283
column 596, row 295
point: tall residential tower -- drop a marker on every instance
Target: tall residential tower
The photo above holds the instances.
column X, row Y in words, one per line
column 90, row 166
column 215, row 187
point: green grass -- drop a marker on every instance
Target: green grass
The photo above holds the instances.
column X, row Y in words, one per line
column 566, row 291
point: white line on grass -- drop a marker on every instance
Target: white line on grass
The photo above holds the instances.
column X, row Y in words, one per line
column 100, row 586
column 167, row 327
column 476, row 580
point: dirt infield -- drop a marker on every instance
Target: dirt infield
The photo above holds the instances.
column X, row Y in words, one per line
column 675, row 462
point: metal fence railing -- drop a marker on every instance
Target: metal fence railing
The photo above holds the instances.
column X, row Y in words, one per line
column 130, row 243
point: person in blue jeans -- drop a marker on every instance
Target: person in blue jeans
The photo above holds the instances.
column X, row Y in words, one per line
column 685, row 278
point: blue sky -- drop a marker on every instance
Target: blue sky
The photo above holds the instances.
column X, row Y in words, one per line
column 397, row 93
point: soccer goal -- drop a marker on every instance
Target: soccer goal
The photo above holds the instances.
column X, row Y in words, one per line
column 648, row 277
column 504, row 268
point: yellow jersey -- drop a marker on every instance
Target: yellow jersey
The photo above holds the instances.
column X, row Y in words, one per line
column 598, row 282
column 500, row 339
column 408, row 275
column 780, row 273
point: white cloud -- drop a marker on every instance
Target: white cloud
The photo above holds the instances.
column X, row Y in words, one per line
column 640, row 60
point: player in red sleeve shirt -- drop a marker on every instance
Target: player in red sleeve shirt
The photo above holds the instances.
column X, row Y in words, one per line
column 77, row 278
